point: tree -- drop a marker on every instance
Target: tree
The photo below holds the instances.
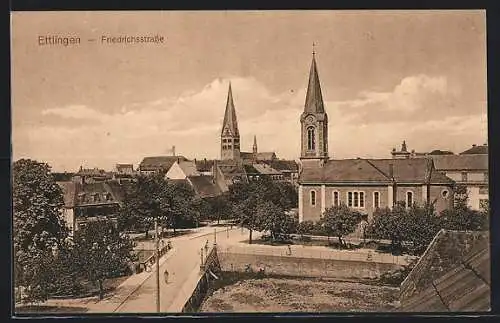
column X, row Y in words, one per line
column 415, row 227
column 220, row 208
column 340, row 221
column 37, row 226
column 421, row 224
column 305, row 227
column 388, row 224
column 102, row 252
column 152, row 196
column 274, row 219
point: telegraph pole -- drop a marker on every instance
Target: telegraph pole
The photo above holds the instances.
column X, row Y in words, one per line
column 157, row 266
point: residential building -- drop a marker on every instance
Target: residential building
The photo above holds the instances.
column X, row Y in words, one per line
column 91, row 175
column 85, row 202
column 470, row 170
column 182, row 170
column 156, row 164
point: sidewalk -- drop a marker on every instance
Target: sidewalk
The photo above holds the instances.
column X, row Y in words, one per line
column 111, row 303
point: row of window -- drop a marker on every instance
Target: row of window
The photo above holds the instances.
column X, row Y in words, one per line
column 236, row 146
column 356, row 199
column 465, row 177
column 236, row 140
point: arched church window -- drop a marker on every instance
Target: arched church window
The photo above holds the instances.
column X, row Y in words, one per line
column 311, row 138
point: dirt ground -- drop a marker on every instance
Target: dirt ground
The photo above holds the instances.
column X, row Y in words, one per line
column 301, row 295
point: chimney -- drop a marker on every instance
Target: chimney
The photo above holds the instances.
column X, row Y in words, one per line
column 173, row 150
column 391, row 171
column 474, row 145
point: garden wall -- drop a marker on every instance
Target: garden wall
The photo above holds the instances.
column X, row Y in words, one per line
column 303, row 267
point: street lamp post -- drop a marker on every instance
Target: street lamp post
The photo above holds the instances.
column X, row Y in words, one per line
column 157, row 266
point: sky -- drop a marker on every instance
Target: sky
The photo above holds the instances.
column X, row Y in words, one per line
column 386, row 76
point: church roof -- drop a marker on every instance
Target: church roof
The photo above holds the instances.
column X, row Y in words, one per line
column 230, row 124
column 373, row 171
column 314, row 98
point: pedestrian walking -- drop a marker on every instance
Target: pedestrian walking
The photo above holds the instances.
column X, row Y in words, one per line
column 289, row 250
column 169, row 245
column 206, row 246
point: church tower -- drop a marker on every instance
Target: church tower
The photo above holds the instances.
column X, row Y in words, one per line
column 314, row 122
column 230, row 135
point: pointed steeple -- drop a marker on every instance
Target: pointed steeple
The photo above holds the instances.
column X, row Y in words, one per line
column 314, row 98
column 230, row 125
column 254, row 144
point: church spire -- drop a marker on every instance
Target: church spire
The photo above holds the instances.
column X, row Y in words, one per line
column 314, row 98
column 255, row 144
column 230, row 125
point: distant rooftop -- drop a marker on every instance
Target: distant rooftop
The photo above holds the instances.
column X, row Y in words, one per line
column 476, row 150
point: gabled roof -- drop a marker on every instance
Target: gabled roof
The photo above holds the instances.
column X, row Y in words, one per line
column 460, row 162
column 482, row 150
column 314, row 98
column 284, row 165
column 266, row 156
column 373, row 171
column 249, row 169
column 230, row 124
column 204, row 186
column 265, row 169
column 189, row 168
column 159, row 162
column 76, row 194
column 450, row 276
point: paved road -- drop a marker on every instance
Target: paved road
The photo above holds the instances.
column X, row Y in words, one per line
column 183, row 265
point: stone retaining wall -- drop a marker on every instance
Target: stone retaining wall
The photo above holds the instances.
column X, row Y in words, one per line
column 303, row 267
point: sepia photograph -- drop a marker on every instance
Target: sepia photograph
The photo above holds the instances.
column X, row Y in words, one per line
column 315, row 161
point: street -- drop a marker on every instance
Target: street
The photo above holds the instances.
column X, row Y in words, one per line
column 181, row 262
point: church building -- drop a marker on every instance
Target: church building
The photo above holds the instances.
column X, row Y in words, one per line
column 362, row 184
